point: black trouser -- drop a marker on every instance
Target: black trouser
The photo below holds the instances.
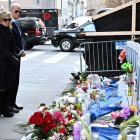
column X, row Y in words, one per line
column 4, row 99
column 13, row 95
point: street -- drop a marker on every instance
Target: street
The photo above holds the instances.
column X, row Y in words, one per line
column 45, row 73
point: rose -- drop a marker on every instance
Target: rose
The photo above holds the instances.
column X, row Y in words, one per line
column 39, row 120
column 115, row 115
column 84, row 88
column 36, row 118
column 46, row 129
column 32, row 120
column 62, row 130
column 69, row 116
column 58, row 116
column 49, row 121
column 43, row 121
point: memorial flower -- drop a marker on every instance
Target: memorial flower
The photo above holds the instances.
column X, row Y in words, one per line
column 128, row 126
column 50, row 124
column 124, row 114
column 43, row 124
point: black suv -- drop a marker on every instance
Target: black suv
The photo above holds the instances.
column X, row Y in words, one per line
column 34, row 30
column 69, row 38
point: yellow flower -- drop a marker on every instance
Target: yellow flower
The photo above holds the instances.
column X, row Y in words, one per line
column 130, row 69
column 72, row 121
column 133, row 108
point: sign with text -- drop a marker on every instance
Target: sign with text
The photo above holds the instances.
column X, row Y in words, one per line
column 120, row 45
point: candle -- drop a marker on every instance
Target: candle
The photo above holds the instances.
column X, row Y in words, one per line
column 76, row 132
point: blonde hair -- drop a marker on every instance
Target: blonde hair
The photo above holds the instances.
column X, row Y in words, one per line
column 5, row 14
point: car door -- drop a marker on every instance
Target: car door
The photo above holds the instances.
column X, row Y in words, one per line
column 87, row 27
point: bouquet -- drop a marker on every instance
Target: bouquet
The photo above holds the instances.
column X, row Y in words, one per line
column 50, row 124
column 43, row 124
column 123, row 115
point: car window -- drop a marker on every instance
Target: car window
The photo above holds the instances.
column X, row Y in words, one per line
column 25, row 23
column 89, row 27
column 41, row 23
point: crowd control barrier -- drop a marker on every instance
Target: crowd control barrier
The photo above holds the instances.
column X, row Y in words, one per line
column 101, row 57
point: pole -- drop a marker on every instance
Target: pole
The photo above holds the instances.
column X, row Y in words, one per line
column 133, row 17
column 9, row 4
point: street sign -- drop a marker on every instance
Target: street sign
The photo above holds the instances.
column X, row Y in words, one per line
column 120, row 45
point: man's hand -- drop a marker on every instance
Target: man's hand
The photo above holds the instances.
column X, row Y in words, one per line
column 22, row 53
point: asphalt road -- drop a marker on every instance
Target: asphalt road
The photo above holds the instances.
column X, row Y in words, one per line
column 45, row 73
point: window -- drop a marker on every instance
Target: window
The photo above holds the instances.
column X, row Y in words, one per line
column 89, row 27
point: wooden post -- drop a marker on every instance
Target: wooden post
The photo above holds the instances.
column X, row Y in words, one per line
column 133, row 27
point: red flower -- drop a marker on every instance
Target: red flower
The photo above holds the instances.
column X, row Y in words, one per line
column 36, row 118
column 62, row 130
column 46, row 129
column 42, row 121
column 39, row 120
column 84, row 88
column 69, row 116
column 58, row 116
column 45, row 124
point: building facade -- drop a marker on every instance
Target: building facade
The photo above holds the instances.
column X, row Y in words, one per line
column 93, row 6
column 69, row 9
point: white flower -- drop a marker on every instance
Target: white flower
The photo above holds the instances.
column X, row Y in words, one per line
column 79, row 90
column 27, row 137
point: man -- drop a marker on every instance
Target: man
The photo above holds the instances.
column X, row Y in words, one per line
column 15, row 9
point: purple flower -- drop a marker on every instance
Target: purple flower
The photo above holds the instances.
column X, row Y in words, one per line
column 125, row 112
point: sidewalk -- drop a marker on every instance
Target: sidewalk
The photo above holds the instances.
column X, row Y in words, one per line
column 31, row 93
column 48, row 42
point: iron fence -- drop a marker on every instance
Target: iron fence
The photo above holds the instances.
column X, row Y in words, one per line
column 101, row 57
column 49, row 31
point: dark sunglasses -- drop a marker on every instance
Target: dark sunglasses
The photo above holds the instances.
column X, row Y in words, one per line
column 9, row 19
column 18, row 12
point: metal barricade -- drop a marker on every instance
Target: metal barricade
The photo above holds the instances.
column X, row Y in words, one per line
column 101, row 58
column 49, row 31
column 133, row 56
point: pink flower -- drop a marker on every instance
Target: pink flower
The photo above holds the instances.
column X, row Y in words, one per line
column 125, row 112
column 58, row 116
column 115, row 115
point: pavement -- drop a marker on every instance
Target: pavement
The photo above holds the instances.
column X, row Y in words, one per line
column 48, row 42
column 39, row 83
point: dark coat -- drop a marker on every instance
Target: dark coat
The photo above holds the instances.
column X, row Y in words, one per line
column 18, row 36
column 7, row 51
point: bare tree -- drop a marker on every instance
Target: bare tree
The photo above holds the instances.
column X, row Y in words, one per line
column 115, row 3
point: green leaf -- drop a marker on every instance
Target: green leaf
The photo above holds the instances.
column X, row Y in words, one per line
column 128, row 126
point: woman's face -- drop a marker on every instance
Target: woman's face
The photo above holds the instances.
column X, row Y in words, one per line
column 6, row 22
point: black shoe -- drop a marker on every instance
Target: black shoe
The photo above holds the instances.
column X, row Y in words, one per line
column 17, row 107
column 12, row 110
column 7, row 114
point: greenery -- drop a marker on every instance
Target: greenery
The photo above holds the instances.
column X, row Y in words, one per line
column 128, row 126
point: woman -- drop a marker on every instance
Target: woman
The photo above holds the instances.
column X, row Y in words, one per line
column 8, row 62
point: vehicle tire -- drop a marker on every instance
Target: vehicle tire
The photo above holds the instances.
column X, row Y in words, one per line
column 66, row 45
column 43, row 40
